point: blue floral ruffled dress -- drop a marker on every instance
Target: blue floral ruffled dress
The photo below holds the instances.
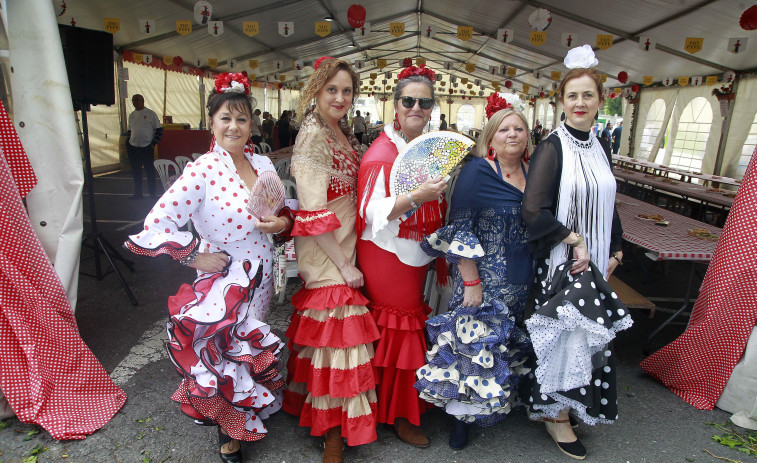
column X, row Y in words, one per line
column 477, row 355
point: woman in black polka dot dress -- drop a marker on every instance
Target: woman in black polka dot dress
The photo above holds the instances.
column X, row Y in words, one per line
column 575, row 235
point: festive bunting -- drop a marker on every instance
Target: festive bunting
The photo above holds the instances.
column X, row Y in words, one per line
column 286, row 28
column 215, row 28
column 511, row 72
column 617, row 90
column 493, row 69
column 232, row 63
column 538, row 38
column 373, row 76
column 202, row 12
column 112, row 25
column 147, row 26
column 603, row 78
column 60, row 7
column 448, row 65
column 463, row 80
column 604, row 41
column 540, row 20
column 737, row 45
column 711, row 80
column 322, row 28
column 729, row 76
column 697, row 80
column 526, row 88
column 381, row 63
column 250, row 28
column 693, row 44
column 167, row 60
column 536, row 73
column 429, row 30
column 282, row 77
column 667, row 81
column 253, row 63
column 420, row 61
column 356, row 15
column 505, row 35
column 298, row 64
column 464, row 33
column 647, row 43
column 569, row 39
column 470, row 67
column 184, row 27
column 363, row 30
column 397, row 29
column 138, row 57
column 556, row 75
column 623, row 77
column 213, row 62
column 683, row 81
column 647, row 80
column 147, row 59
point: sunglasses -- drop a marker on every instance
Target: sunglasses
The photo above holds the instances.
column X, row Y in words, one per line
column 424, row 103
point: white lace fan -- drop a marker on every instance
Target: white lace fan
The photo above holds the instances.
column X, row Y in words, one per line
column 267, row 195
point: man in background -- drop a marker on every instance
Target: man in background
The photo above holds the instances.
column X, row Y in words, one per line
column 257, row 128
column 606, row 132
column 144, row 132
column 616, row 137
column 358, row 126
column 442, row 122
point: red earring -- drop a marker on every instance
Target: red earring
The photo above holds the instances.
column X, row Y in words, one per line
column 212, row 142
column 397, row 125
column 525, row 156
column 490, row 153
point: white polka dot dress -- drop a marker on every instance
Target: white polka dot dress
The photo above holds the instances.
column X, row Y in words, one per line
column 218, row 340
column 576, row 319
column 49, row 376
column 698, row 364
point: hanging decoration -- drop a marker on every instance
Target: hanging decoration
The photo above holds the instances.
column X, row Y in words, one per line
column 508, row 84
column 647, row 80
column 112, row 25
column 494, row 70
column 604, row 41
column 538, row 38
column 60, row 7
column 647, row 43
column 177, row 62
column 363, row 30
column 250, row 28
column 147, row 26
column 556, row 75
column 737, row 45
column 464, row 33
column 505, row 35
column 693, row 44
column 511, row 72
column 286, row 28
column 470, row 67
column 232, row 63
column 697, row 81
column 147, row 59
column 397, row 29
column 252, row 64
column 729, row 77
column 184, row 27
column 213, row 62
column 215, row 28
column 635, row 88
column 540, row 20
column 569, row 39
column 322, row 28
column 381, row 63
column 448, row 65
column 667, row 81
column 748, row 20
column 429, row 31
column 356, row 15
column 623, row 77
column 711, row 80
column 298, row 64
column 203, row 11
column 420, row 61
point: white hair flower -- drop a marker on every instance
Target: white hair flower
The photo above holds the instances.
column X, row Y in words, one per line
column 580, row 57
column 514, row 100
column 235, row 87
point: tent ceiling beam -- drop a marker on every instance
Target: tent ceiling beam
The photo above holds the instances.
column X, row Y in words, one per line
column 488, row 78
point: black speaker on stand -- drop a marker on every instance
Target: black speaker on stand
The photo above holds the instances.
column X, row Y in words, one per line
column 89, row 65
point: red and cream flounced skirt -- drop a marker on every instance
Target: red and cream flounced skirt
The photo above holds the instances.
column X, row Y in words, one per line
column 331, row 377
column 231, row 362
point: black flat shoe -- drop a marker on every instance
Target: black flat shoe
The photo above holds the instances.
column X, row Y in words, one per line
column 224, row 440
column 572, row 449
column 200, row 422
column 573, row 422
column 458, row 438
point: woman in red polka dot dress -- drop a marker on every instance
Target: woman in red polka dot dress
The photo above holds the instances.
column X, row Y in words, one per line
column 227, row 354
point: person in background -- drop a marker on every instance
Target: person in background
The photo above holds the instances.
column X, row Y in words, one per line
column 257, row 128
column 331, row 377
column 144, row 132
column 576, row 241
column 442, row 122
column 606, row 134
column 391, row 258
column 478, row 350
column 285, row 132
column 367, row 119
column 358, row 126
column 536, row 133
column 228, row 357
column 268, row 128
column 616, row 137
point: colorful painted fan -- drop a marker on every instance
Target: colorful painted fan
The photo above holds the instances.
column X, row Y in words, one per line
column 434, row 154
column 267, row 195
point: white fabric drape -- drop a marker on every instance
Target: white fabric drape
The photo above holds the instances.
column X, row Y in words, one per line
column 740, row 393
column 648, row 97
column 743, row 115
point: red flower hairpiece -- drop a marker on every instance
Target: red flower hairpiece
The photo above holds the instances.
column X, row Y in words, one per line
column 320, row 60
column 422, row 71
column 232, row 82
column 494, row 104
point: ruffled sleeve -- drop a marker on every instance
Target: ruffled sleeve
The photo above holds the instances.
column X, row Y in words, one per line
column 161, row 234
column 310, row 163
column 457, row 240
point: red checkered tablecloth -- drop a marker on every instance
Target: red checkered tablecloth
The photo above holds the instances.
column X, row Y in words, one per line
column 289, row 250
column 669, row 243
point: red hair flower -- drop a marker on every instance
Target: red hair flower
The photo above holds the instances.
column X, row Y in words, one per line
column 320, row 60
column 232, row 82
column 494, row 104
column 422, row 71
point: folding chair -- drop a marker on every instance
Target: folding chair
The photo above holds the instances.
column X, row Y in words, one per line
column 182, row 161
column 163, row 166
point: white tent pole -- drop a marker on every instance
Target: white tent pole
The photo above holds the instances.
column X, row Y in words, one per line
column 45, row 122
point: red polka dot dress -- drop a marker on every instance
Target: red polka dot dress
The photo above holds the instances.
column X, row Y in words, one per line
column 697, row 365
column 47, row 373
column 218, row 340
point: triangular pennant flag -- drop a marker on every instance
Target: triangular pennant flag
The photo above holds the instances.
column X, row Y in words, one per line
column 569, row 40
column 505, row 35
column 215, row 28
column 112, row 25
column 250, row 28
column 428, row 31
column 322, row 28
column 647, row 43
column 184, row 27
column 286, row 28
column 363, row 30
column 147, row 26
column 737, row 45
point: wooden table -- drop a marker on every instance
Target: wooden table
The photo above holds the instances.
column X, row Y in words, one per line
column 686, row 190
column 686, row 176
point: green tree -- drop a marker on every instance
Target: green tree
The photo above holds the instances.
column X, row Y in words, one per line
column 614, row 106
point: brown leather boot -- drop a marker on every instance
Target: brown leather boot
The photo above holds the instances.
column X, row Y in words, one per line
column 410, row 433
column 332, row 446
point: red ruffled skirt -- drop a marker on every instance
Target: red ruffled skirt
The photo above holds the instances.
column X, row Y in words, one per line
column 331, row 376
column 395, row 291
column 231, row 362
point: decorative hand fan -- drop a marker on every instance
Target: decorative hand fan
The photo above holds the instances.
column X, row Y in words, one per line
column 434, row 154
column 266, row 196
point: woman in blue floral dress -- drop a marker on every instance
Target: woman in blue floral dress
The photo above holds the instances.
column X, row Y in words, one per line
column 477, row 350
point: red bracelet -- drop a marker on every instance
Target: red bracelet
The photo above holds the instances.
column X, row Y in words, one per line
column 475, row 282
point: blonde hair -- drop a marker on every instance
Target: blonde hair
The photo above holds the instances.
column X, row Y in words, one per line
column 326, row 71
column 482, row 145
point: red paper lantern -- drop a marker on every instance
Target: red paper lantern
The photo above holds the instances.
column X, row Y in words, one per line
column 356, row 16
column 280, row 86
column 541, row 94
column 450, row 91
column 635, row 88
column 407, row 62
column 623, row 77
column 177, row 61
column 613, row 95
column 508, row 84
column 748, row 20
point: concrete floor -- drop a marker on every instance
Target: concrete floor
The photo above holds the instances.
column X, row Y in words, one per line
column 655, row 425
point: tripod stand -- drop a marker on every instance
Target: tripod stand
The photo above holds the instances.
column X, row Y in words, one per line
column 94, row 239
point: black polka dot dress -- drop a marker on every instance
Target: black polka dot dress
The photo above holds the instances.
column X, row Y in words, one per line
column 575, row 320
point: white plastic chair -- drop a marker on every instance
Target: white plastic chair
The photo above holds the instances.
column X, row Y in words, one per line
column 196, row 155
column 182, row 161
column 163, row 166
column 290, row 188
column 265, row 147
column 282, row 168
column 256, row 149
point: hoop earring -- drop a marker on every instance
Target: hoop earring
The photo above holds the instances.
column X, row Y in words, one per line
column 490, row 153
column 396, row 125
column 562, row 116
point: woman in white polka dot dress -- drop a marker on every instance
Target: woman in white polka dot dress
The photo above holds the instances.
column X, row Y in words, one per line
column 576, row 240
column 226, row 353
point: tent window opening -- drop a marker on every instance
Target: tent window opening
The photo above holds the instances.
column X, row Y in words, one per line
column 367, row 104
column 466, row 117
column 747, row 150
column 541, row 116
column 435, row 120
column 652, row 127
column 691, row 139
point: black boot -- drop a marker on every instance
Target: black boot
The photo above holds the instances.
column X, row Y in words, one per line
column 458, row 438
column 225, row 442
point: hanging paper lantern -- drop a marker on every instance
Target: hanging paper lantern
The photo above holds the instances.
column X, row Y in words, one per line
column 748, row 19
column 356, row 16
column 635, row 88
column 280, row 85
column 451, row 91
column 613, row 95
column 407, row 62
column 177, row 61
column 623, row 77
column 508, row 84
column 541, row 94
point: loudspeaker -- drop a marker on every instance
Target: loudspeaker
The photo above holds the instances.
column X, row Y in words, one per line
column 89, row 64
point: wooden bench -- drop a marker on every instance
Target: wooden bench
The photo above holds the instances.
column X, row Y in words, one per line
column 630, row 297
